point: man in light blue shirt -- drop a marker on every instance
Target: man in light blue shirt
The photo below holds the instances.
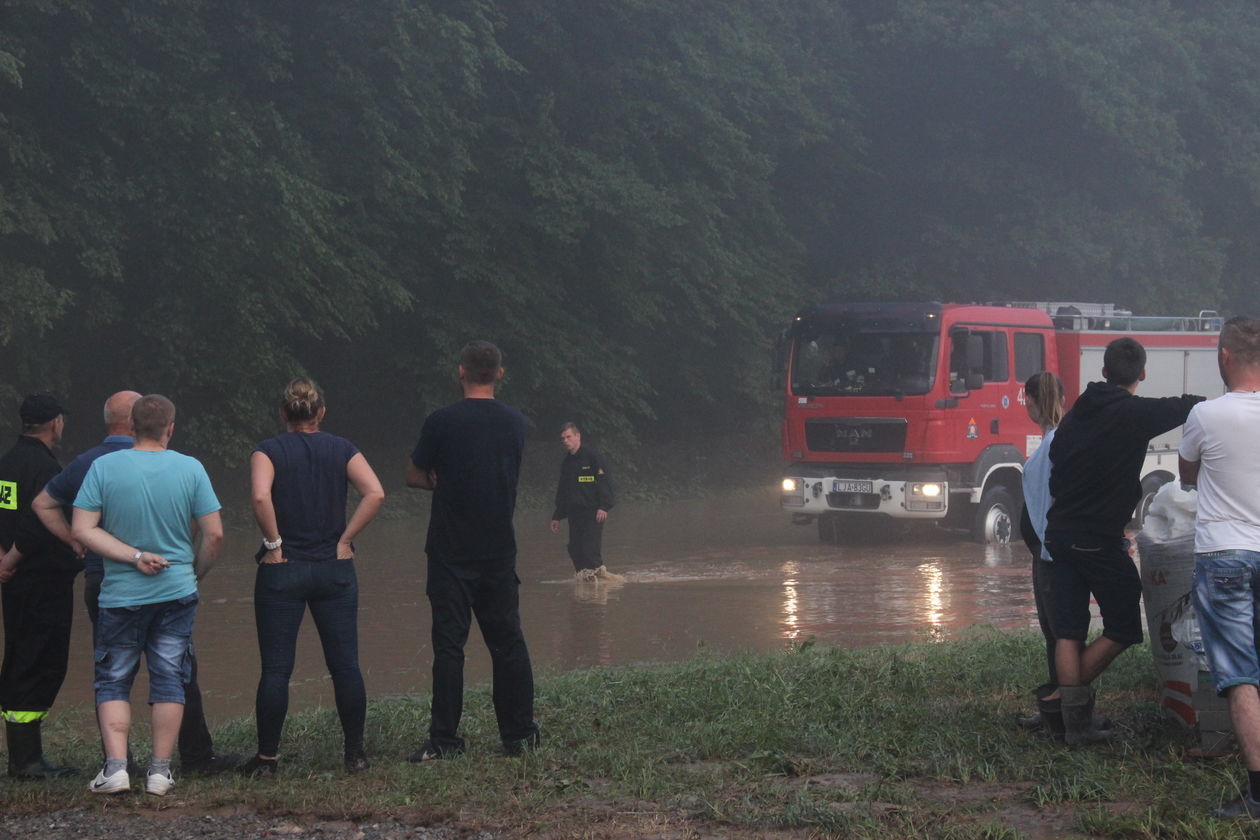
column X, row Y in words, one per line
column 53, row 506
column 136, row 509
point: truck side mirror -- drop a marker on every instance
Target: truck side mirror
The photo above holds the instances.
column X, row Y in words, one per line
column 975, row 357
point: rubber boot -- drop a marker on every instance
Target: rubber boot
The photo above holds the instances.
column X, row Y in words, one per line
column 1077, row 704
column 26, row 753
column 1034, row 721
column 1051, row 711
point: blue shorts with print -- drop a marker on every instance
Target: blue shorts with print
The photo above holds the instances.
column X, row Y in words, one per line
column 1227, row 605
column 163, row 632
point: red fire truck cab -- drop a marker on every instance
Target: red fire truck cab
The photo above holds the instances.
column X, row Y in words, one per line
column 916, row 410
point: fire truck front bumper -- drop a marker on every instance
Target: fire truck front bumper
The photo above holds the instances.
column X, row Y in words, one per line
column 912, row 497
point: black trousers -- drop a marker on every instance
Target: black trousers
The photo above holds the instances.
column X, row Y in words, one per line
column 38, row 613
column 493, row 597
column 195, row 744
column 586, row 539
column 1043, row 597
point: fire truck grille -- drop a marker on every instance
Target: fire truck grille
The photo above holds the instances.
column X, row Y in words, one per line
column 853, row 501
column 855, row 434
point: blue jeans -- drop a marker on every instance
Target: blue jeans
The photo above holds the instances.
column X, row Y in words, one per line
column 282, row 592
column 163, row 632
column 1227, row 604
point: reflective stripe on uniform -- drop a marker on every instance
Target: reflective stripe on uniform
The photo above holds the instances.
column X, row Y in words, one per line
column 23, row 717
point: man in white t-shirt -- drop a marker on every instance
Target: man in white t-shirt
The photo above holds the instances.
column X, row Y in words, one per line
column 1219, row 453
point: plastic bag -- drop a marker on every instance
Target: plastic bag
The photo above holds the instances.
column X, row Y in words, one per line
column 1171, row 513
column 1185, row 628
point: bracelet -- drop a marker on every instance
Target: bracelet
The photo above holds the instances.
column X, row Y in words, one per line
column 136, row 559
column 272, row 545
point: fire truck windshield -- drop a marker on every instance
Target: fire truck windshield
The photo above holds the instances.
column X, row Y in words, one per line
column 836, row 360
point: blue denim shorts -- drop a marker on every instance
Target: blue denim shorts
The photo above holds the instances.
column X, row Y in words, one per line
column 1227, row 605
column 163, row 632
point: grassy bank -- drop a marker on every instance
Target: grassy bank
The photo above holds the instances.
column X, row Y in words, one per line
column 894, row 742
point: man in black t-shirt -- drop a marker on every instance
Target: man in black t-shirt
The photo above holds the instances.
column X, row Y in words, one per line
column 469, row 455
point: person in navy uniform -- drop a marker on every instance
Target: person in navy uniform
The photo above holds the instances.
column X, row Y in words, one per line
column 584, row 496
column 37, row 591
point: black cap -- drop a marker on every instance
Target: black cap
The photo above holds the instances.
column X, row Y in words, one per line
column 40, row 408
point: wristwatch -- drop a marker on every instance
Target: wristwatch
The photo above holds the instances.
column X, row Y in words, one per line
column 272, row 545
column 136, row 559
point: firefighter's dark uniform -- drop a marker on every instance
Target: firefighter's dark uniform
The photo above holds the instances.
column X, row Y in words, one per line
column 38, row 605
column 585, row 487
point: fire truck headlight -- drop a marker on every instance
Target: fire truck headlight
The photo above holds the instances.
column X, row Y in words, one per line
column 793, row 494
column 927, row 491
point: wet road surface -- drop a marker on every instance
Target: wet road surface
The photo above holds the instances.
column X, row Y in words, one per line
column 728, row 575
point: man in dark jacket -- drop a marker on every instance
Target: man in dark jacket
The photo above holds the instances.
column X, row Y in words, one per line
column 1095, row 482
column 37, row 590
column 584, row 496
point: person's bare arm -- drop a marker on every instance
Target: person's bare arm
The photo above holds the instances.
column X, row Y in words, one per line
column 1189, row 470
column 363, row 478
column 85, row 526
column 9, row 564
column 52, row 514
column 262, row 474
column 209, row 541
column 416, row 477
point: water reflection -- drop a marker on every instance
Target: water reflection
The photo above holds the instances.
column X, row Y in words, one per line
column 791, row 602
column 729, row 574
column 933, row 602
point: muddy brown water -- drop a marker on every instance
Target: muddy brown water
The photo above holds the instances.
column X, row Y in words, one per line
column 728, row 574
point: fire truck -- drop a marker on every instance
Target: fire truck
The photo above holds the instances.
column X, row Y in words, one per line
column 916, row 411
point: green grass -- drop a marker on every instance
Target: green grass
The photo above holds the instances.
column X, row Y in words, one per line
column 891, row 742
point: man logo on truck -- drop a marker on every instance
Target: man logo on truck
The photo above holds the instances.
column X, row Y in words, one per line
column 853, row 435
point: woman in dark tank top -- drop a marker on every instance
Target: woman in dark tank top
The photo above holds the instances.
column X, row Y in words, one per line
column 298, row 482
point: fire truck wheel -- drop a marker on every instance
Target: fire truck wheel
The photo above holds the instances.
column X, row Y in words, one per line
column 995, row 517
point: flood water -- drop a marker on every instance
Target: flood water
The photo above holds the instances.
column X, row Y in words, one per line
column 729, row 574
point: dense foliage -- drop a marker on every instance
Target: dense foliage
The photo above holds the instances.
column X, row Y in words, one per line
column 629, row 196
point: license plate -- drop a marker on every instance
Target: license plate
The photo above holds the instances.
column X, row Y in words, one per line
column 840, row 486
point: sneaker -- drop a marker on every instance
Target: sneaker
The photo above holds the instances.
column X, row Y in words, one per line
column 119, row 782
column 1245, row 806
column 257, row 767
column 431, row 752
column 216, row 763
column 159, row 784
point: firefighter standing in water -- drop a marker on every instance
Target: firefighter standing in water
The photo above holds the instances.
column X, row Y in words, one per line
column 584, row 496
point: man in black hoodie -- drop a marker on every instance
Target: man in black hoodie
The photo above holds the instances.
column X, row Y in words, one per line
column 1095, row 482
